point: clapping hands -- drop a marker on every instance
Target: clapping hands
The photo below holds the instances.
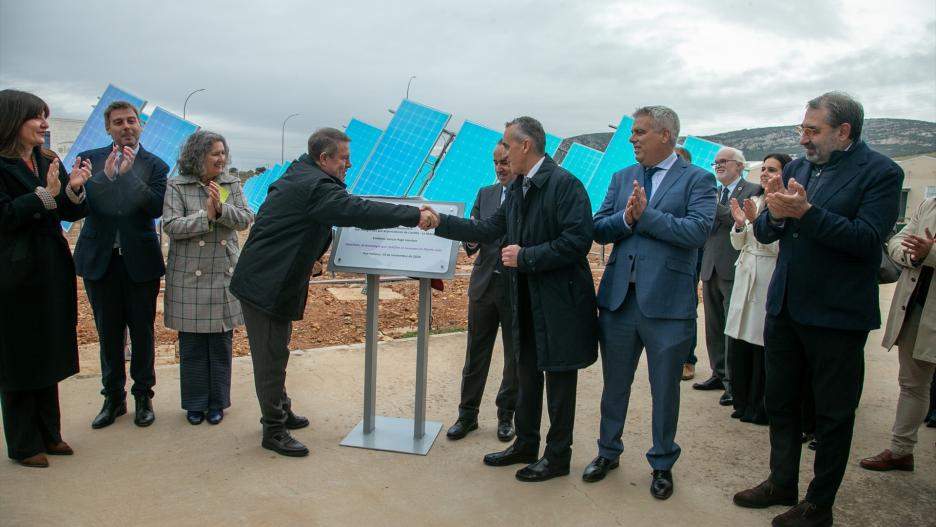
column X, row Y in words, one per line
column 636, row 204
column 127, row 155
column 213, row 205
column 81, row 172
column 789, row 202
column 741, row 213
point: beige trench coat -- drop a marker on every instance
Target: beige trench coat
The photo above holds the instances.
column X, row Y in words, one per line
column 925, row 348
column 747, row 309
column 202, row 256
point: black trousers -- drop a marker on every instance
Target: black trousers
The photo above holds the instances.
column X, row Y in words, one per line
column 118, row 303
column 205, row 370
column 485, row 314
column 746, row 362
column 716, row 294
column 560, row 396
column 31, row 420
column 831, row 362
column 269, row 351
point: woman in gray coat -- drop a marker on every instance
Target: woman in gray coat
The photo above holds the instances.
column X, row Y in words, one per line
column 203, row 211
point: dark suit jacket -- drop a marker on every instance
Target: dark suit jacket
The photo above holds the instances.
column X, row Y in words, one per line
column 485, row 205
column 554, row 228
column 826, row 272
column 665, row 241
column 294, row 228
column 128, row 204
column 718, row 254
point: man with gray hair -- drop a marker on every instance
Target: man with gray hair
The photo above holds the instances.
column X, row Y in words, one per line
column 718, row 268
column 657, row 214
column 292, row 231
column 831, row 211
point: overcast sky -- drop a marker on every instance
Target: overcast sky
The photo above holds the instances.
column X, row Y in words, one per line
column 575, row 65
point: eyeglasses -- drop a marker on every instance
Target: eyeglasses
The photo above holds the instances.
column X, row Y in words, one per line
column 723, row 162
column 808, row 131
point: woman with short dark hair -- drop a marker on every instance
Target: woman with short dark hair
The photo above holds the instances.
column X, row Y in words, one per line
column 204, row 209
column 38, row 313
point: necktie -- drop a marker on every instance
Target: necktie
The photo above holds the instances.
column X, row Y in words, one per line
column 648, row 179
column 503, row 194
column 526, row 185
column 724, row 196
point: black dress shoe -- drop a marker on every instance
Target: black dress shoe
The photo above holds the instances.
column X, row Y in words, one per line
column 295, row 422
column 461, row 428
column 726, row 399
column 599, row 468
column 738, row 414
column 505, row 430
column 508, row 457
column 661, row 487
column 284, row 444
column 712, row 383
column 194, row 418
column 542, row 470
column 804, row 514
column 144, row 415
column 214, row 416
column 765, row 495
column 112, row 409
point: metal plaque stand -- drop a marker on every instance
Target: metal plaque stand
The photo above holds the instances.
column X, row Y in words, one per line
column 410, row 436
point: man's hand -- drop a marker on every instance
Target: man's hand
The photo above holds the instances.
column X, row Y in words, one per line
column 428, row 218
column 640, row 202
column 53, row 185
column 918, row 247
column 737, row 213
column 80, row 173
column 509, row 255
column 789, row 204
column 213, row 205
column 126, row 160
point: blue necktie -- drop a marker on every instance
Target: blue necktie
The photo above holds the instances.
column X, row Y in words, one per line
column 724, row 196
column 648, row 179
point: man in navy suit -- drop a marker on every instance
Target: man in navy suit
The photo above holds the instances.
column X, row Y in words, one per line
column 488, row 310
column 831, row 211
column 119, row 257
column 657, row 213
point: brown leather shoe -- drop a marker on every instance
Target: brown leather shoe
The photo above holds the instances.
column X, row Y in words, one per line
column 688, row 372
column 38, row 461
column 886, row 460
column 60, row 449
column 804, row 514
column 765, row 495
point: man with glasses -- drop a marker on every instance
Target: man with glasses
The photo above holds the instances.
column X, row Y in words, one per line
column 488, row 309
column 718, row 259
column 831, row 211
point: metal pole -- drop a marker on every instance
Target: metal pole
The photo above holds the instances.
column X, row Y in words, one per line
column 370, row 352
column 185, row 104
column 410, row 81
column 283, row 139
column 422, row 355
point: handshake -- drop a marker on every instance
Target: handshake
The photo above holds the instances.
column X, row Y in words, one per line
column 428, row 218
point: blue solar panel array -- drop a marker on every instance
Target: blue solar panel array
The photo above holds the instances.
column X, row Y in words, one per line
column 618, row 155
column 582, row 161
column 467, row 166
column 401, row 151
column 363, row 139
column 703, row 152
column 164, row 135
column 93, row 134
column 257, row 187
column 552, row 144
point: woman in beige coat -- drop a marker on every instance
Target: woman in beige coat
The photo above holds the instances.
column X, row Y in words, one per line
column 203, row 211
column 911, row 325
column 748, row 306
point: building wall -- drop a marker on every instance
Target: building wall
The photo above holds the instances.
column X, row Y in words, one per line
column 62, row 134
column 919, row 181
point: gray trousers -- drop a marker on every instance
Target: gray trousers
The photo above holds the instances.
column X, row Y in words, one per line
column 269, row 351
column 716, row 293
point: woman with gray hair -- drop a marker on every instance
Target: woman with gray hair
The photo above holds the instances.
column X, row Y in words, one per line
column 203, row 211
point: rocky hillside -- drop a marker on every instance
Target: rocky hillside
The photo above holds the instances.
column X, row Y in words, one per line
column 892, row 137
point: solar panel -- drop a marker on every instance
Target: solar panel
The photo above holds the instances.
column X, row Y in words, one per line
column 401, row 150
column 703, row 152
column 467, row 166
column 618, row 155
column 93, row 134
column 164, row 135
column 581, row 161
column 363, row 139
column 552, row 144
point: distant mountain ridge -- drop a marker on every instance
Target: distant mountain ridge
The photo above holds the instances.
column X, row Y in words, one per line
column 891, row 137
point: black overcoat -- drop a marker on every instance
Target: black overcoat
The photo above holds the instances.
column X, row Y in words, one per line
column 38, row 309
column 553, row 225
